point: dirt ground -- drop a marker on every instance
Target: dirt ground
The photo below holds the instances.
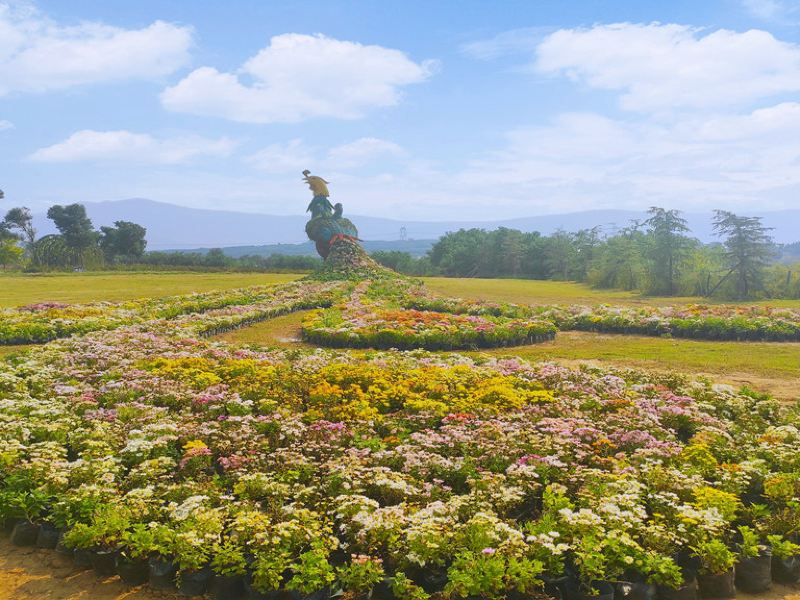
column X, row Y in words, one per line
column 30, row 574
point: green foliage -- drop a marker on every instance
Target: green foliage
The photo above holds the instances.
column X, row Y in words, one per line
column 313, row 573
column 74, row 225
column 229, row 559
column 715, row 557
column 10, row 252
column 360, row 574
column 124, row 240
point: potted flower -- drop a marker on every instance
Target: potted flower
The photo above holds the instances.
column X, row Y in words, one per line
column 108, row 525
column 313, row 575
column 81, row 538
column 161, row 564
column 229, row 566
column 754, row 567
column 785, row 559
column 192, row 555
column 716, row 571
column 403, row 587
column 28, row 507
column 358, row 577
column 266, row 575
column 137, row 544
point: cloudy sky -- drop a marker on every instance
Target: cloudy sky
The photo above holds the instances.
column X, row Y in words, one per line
column 413, row 109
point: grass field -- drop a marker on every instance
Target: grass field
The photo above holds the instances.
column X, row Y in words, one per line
column 529, row 291
column 19, row 289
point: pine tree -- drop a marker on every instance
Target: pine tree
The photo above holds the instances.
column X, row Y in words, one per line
column 748, row 250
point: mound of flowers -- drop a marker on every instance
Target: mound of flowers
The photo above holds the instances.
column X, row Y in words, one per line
column 374, row 318
column 157, row 455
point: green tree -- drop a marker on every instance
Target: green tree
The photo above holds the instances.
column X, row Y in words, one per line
column 20, row 218
column 560, row 253
column 74, row 225
column 668, row 248
column 748, row 251
column 10, row 252
column 124, row 240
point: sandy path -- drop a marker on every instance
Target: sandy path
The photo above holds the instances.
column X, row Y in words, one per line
column 29, row 574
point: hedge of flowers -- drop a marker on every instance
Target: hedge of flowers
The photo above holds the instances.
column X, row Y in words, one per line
column 373, row 317
column 151, row 453
column 709, row 322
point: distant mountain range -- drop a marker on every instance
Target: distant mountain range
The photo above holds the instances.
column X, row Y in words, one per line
column 177, row 227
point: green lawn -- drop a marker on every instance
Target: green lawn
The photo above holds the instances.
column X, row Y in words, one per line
column 18, row 289
column 530, row 291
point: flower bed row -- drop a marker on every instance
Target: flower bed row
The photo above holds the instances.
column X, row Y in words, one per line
column 402, row 473
column 708, row 322
column 39, row 323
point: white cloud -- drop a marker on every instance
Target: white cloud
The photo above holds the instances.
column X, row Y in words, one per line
column 5, row 125
column 298, row 77
column 281, row 158
column 514, row 41
column 660, row 67
column 37, row 54
column 295, row 155
column 763, row 9
column 113, row 146
column 581, row 160
column 361, row 152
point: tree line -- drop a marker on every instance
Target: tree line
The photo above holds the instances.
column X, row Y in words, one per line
column 656, row 256
column 78, row 245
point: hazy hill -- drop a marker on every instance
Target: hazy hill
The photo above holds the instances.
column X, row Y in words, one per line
column 177, row 227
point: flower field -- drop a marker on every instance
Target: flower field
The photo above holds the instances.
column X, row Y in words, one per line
column 141, row 446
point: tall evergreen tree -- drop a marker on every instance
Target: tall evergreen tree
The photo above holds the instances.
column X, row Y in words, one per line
column 748, row 250
column 669, row 246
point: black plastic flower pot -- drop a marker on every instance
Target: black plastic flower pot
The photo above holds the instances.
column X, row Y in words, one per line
column 754, row 575
column 104, row 562
column 24, row 534
column 252, row 593
column 634, row 590
column 323, row 594
column 786, row 570
column 161, row 573
column 48, row 536
column 559, row 587
column 62, row 548
column 600, row 590
column 688, row 591
column 228, row 587
column 716, row 585
column 195, row 583
column 82, row 558
column 132, row 572
column 382, row 591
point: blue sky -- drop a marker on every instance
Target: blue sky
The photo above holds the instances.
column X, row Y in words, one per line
column 417, row 110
